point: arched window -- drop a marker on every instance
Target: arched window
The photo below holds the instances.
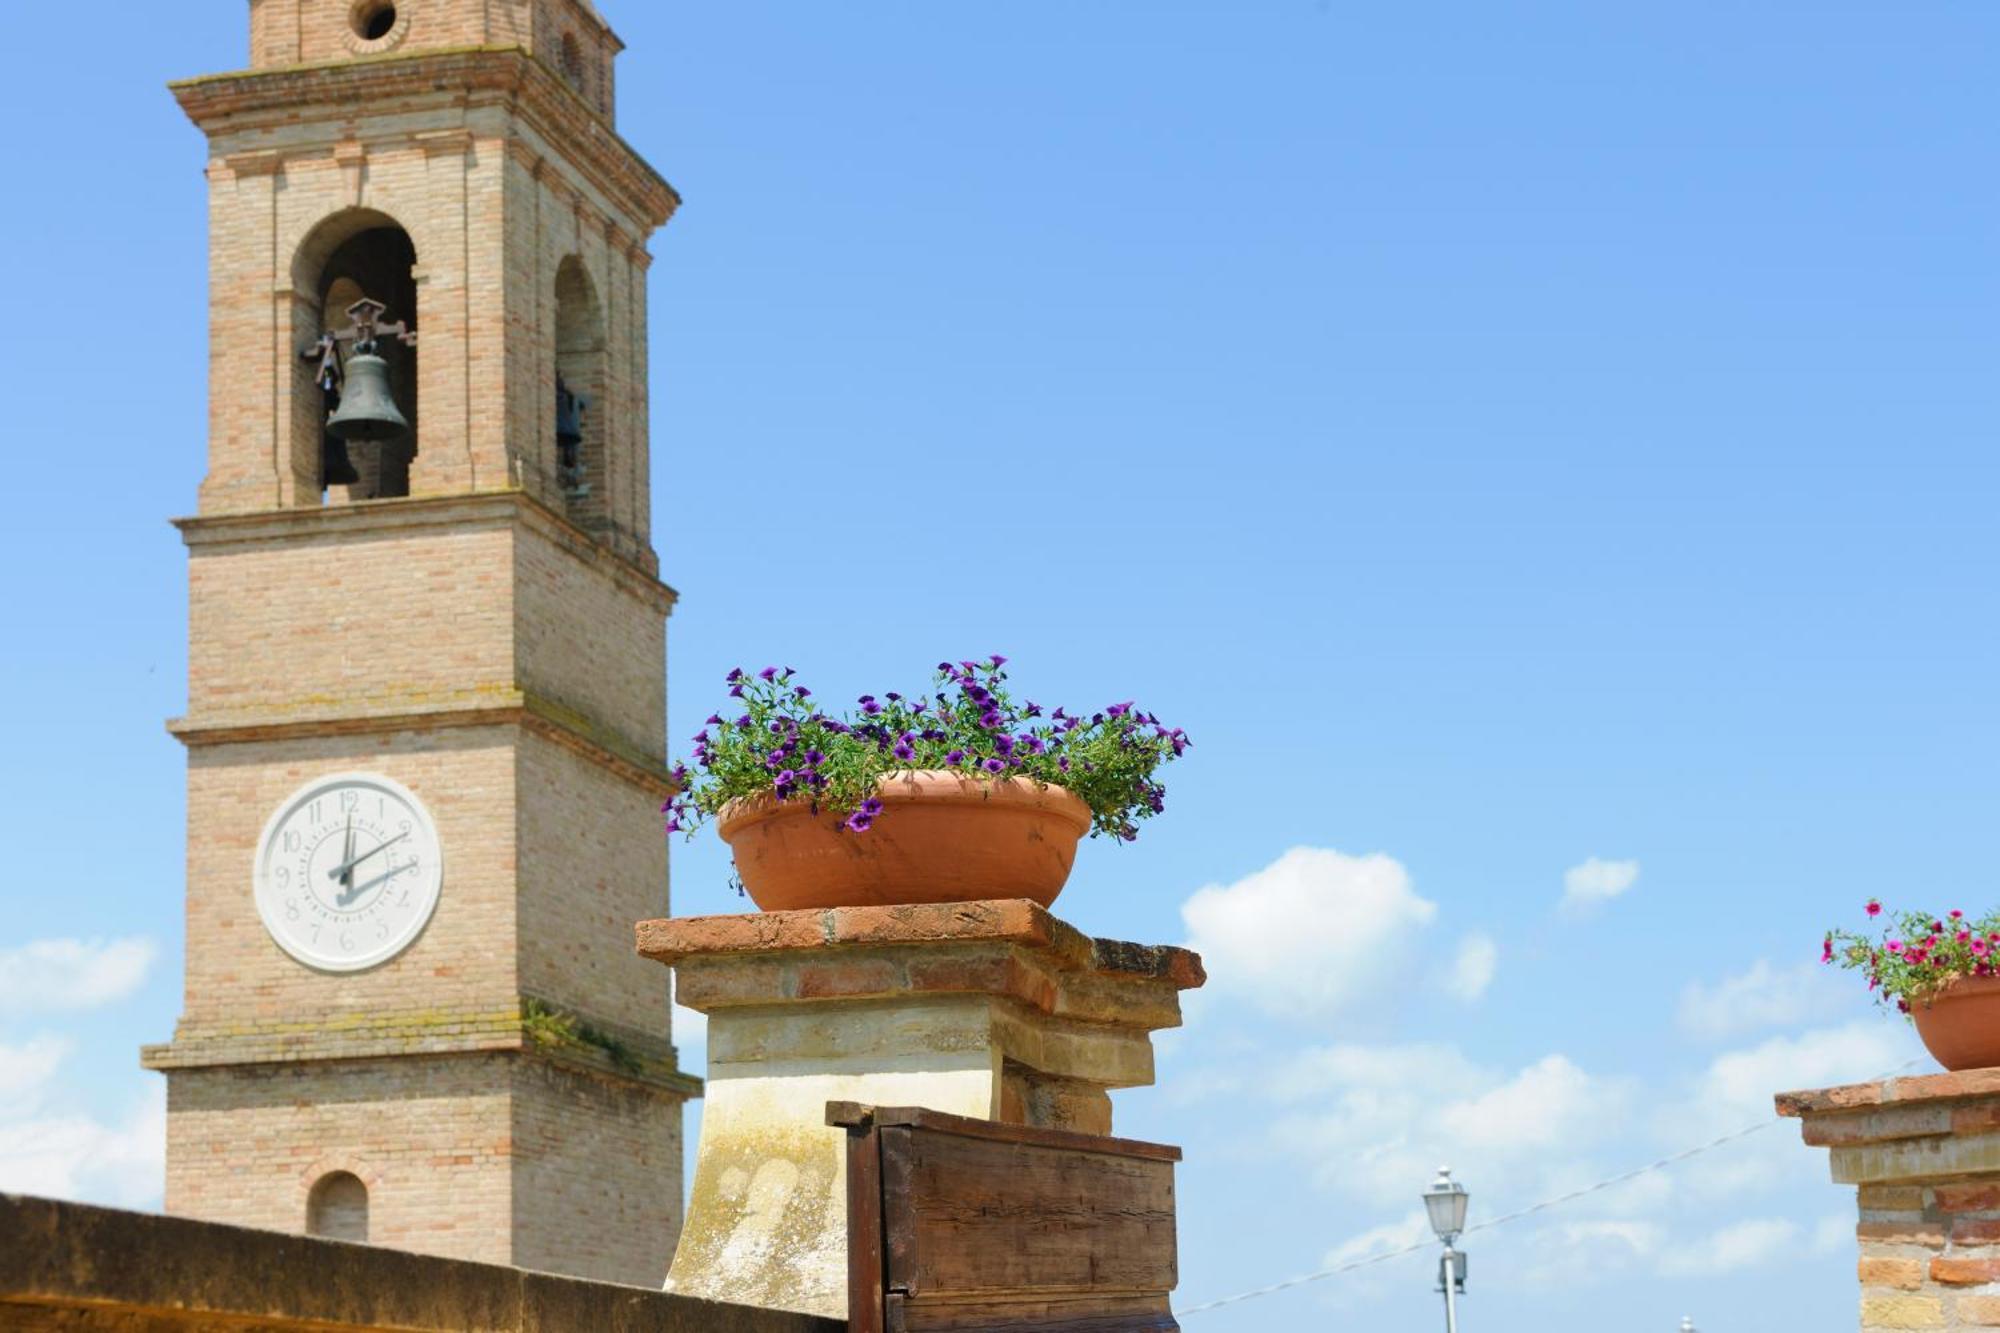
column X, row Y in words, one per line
column 337, row 1207
column 570, row 56
column 579, row 409
column 351, row 255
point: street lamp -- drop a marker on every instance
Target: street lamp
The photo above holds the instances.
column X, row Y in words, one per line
column 1446, row 1201
column 1687, row 1323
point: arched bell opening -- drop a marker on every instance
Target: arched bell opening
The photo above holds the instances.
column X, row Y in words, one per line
column 355, row 255
column 581, row 419
column 337, row 1207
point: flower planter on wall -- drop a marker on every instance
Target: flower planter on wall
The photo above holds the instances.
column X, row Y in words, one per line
column 940, row 837
column 1961, row 1025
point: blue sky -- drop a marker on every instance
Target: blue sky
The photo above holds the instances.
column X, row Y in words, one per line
column 1503, row 436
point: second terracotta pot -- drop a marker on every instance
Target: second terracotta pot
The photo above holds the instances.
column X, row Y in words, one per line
column 1961, row 1026
column 941, row 837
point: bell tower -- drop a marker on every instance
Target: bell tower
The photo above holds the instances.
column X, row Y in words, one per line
column 427, row 650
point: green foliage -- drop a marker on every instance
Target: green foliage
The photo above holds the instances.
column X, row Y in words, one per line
column 553, row 1029
column 782, row 745
column 1917, row 955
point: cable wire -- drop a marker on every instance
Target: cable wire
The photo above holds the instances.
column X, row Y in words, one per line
column 1515, row 1216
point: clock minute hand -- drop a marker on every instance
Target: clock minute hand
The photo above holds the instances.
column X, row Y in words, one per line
column 340, row 871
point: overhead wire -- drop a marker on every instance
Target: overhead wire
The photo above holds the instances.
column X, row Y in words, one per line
column 1515, row 1216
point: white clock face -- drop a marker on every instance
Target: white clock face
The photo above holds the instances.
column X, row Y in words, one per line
column 348, row 872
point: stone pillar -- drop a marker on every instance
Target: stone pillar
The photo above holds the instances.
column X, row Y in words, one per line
column 1925, row 1156
column 988, row 1009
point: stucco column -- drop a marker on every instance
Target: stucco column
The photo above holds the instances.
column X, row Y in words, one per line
column 1924, row 1154
column 989, row 1009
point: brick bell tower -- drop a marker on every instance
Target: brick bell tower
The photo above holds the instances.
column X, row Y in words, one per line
column 427, row 651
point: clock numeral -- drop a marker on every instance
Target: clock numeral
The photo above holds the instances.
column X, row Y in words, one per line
column 404, row 901
column 346, row 942
column 382, row 930
column 291, row 909
column 312, row 811
column 284, row 877
column 291, row 840
column 349, row 799
column 315, row 932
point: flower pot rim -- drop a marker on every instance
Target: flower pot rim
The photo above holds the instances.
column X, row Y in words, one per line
column 934, row 786
column 1959, row 987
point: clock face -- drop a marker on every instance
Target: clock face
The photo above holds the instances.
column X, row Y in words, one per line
column 348, row 872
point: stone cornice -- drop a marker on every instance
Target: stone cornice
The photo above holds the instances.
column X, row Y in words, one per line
column 258, row 99
column 398, row 516
column 479, row 707
column 648, row 1059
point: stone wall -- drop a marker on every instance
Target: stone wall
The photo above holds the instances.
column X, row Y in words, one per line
column 1924, row 1156
column 70, row 1267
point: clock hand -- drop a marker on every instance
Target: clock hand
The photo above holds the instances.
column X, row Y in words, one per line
column 347, row 867
column 347, row 852
column 360, row 889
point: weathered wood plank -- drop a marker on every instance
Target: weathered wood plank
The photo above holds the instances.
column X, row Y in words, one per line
column 1128, row 1314
column 970, row 1215
column 865, row 1272
column 853, row 1114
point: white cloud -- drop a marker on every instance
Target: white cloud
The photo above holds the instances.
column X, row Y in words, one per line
column 26, row 1070
column 75, row 1156
column 1378, row 1242
column 1375, row 1122
column 1472, row 970
column 1310, row 933
column 1763, row 997
column 73, row 974
column 1596, row 882
column 1739, row 1245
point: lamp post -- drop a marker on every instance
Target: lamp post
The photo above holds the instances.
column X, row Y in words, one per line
column 1446, row 1201
column 1687, row 1323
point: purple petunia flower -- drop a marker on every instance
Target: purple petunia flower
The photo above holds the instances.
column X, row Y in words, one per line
column 990, row 719
column 955, row 758
column 998, row 661
column 714, row 720
column 736, row 691
column 801, row 692
column 869, row 706
column 673, row 825
column 870, row 807
column 814, row 758
column 775, row 728
column 993, row 766
column 768, row 673
column 1003, row 745
column 859, row 822
column 903, row 751
column 735, row 674
column 743, row 723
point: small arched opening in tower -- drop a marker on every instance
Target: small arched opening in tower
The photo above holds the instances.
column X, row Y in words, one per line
column 337, row 1207
column 356, row 254
column 582, row 422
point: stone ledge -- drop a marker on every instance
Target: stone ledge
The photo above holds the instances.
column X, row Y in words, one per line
column 650, row 1061
column 76, row 1267
column 1889, row 1091
column 1010, row 921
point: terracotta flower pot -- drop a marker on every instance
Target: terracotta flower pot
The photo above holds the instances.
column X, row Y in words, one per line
column 942, row 837
column 1961, row 1026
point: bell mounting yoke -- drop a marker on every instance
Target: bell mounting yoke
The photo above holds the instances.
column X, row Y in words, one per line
column 366, row 328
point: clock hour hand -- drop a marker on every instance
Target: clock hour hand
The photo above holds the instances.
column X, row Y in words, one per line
column 360, row 889
column 346, row 868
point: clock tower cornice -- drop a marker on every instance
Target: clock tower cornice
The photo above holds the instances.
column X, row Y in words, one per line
column 226, row 105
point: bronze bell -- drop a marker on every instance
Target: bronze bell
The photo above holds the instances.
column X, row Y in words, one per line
column 569, row 423
column 367, row 409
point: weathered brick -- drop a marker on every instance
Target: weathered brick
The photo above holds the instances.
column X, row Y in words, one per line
column 1975, row 1230
column 1979, row 1311
column 1979, row 1197
column 837, row 978
column 1901, row 1311
column 1954, row 1271
column 1898, row 1198
column 1905, row 1231
column 1905, row 1274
